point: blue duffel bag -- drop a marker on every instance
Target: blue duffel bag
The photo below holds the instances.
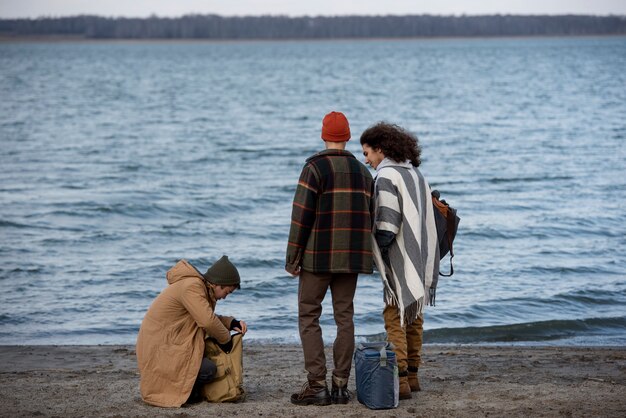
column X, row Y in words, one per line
column 377, row 381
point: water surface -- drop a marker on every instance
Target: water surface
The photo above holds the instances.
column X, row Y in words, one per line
column 118, row 159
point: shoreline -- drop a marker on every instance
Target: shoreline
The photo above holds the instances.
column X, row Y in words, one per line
column 457, row 380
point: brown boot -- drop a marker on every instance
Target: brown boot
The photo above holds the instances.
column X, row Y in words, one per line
column 414, row 381
column 405, row 388
column 312, row 393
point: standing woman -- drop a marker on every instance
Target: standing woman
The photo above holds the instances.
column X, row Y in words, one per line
column 407, row 253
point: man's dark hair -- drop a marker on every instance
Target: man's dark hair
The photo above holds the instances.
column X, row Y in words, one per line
column 396, row 143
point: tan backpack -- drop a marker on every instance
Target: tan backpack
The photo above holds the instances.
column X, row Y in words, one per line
column 228, row 383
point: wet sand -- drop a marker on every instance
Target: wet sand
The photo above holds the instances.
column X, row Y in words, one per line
column 457, row 381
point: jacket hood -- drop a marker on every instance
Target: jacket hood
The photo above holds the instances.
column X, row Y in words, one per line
column 182, row 270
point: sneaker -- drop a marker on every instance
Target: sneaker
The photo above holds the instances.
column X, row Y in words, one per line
column 312, row 393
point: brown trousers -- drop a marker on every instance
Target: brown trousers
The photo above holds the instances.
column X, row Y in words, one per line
column 311, row 293
column 407, row 340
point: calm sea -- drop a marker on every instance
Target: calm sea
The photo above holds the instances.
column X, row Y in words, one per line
column 118, row 159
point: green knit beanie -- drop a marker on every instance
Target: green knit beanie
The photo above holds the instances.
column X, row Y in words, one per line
column 223, row 273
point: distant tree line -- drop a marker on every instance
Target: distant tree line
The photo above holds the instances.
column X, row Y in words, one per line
column 319, row 27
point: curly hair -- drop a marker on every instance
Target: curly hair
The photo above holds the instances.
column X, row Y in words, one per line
column 395, row 142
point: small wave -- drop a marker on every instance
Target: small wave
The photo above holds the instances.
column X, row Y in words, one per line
column 267, row 289
column 131, row 209
column 9, row 224
column 244, row 150
column 589, row 297
column 493, row 233
column 276, row 262
column 500, row 180
column 530, row 331
column 96, row 209
column 544, row 232
column 589, row 270
column 133, row 295
column 6, row 319
column 112, row 330
column 74, row 186
column 131, row 167
column 28, row 270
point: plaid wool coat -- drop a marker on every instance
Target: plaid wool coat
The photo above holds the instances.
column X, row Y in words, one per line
column 332, row 215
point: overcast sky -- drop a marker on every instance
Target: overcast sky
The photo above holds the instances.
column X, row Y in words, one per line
column 172, row 8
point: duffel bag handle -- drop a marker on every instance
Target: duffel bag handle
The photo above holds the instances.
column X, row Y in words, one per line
column 383, row 357
column 384, row 346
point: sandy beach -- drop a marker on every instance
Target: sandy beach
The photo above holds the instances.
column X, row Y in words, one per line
column 459, row 381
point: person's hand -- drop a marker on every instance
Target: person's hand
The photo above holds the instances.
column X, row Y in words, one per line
column 239, row 326
column 243, row 328
column 295, row 271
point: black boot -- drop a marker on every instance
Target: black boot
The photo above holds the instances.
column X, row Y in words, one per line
column 312, row 393
column 195, row 396
column 340, row 394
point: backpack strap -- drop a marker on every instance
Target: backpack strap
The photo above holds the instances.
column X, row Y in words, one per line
column 451, row 266
column 450, row 220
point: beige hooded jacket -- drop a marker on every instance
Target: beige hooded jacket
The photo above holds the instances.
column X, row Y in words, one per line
column 170, row 344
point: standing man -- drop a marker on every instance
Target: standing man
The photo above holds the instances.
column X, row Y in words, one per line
column 330, row 243
column 406, row 250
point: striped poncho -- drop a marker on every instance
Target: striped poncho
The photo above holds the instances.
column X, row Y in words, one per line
column 404, row 208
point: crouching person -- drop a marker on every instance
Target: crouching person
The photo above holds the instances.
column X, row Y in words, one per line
column 170, row 345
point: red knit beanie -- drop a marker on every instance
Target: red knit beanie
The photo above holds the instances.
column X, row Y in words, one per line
column 335, row 127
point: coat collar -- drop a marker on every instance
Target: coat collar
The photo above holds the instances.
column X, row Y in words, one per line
column 330, row 153
column 211, row 294
column 387, row 162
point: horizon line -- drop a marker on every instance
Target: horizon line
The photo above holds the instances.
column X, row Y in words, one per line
column 154, row 15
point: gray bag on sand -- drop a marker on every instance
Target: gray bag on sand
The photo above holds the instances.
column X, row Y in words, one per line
column 377, row 381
